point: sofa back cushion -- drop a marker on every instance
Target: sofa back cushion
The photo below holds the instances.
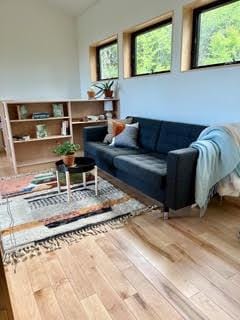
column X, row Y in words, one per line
column 149, row 131
column 175, row 136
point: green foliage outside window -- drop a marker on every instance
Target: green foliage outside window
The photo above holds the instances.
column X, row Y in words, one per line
column 153, row 50
column 219, row 42
column 220, row 35
column 108, row 60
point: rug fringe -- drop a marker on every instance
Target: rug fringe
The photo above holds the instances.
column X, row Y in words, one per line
column 56, row 242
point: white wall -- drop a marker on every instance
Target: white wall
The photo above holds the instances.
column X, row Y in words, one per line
column 201, row 96
column 38, row 51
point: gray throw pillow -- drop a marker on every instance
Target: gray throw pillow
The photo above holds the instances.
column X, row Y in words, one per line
column 127, row 138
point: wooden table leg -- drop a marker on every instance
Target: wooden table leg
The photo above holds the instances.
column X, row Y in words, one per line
column 58, row 182
column 68, row 185
column 96, row 179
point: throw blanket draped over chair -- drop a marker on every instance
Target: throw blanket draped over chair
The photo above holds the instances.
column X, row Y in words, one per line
column 219, row 156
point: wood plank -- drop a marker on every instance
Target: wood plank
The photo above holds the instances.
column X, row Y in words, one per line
column 140, row 308
column 71, row 308
column 199, row 272
column 152, row 248
column 118, row 281
column 5, row 303
column 147, row 291
column 37, row 275
column 3, row 315
column 183, row 305
column 198, row 252
column 110, row 299
column 23, row 302
column 94, row 308
column 226, row 303
column 209, row 308
column 81, row 285
column 116, row 256
column 209, row 247
column 48, row 305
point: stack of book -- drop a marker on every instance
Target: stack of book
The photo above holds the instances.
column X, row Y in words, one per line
column 40, row 115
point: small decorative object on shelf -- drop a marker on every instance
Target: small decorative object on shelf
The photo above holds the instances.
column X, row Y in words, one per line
column 58, row 110
column 67, row 151
column 106, row 89
column 91, row 93
column 26, row 138
column 18, row 138
column 41, row 131
column 22, row 111
column 92, row 118
column 101, row 117
column 65, row 128
column 40, row 115
column 108, row 108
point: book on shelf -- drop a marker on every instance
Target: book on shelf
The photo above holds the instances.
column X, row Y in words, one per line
column 40, row 115
column 65, row 128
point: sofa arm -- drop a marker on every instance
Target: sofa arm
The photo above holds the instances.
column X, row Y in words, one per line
column 181, row 173
column 96, row 133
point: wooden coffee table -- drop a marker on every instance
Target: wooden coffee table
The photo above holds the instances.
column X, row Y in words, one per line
column 82, row 165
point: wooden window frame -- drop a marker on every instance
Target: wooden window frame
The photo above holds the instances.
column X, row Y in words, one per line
column 133, row 37
column 196, row 33
column 98, row 59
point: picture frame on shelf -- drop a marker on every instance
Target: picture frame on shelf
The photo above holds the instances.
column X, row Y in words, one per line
column 58, row 111
column 22, row 111
column 41, row 131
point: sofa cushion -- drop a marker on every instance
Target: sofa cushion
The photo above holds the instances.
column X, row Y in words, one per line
column 148, row 133
column 175, row 136
column 144, row 167
column 107, row 153
column 128, row 137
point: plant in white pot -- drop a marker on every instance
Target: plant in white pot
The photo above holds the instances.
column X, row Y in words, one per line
column 67, row 150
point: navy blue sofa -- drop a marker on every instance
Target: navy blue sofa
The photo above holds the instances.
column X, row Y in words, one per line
column 163, row 167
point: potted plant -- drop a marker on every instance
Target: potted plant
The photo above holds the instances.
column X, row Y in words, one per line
column 105, row 88
column 67, row 151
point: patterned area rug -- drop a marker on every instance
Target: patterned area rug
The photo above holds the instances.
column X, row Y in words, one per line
column 33, row 214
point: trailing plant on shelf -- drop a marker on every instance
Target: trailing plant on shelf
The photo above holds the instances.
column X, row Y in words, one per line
column 67, row 150
column 105, row 88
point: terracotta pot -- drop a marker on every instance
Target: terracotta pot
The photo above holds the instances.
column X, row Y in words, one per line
column 91, row 94
column 108, row 93
column 69, row 160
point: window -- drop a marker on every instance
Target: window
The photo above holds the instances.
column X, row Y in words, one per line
column 107, row 61
column 151, row 49
column 216, row 34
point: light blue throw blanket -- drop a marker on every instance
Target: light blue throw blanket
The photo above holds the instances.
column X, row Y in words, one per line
column 219, row 156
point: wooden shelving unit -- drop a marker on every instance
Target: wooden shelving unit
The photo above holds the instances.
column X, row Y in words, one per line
column 42, row 139
column 89, row 122
column 35, row 154
column 39, row 120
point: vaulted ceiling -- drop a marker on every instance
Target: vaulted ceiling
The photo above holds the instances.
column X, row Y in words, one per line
column 73, row 7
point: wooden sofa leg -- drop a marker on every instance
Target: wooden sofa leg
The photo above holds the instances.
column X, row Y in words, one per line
column 165, row 213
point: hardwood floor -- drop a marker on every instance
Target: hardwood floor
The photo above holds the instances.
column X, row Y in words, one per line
column 5, row 166
column 183, row 268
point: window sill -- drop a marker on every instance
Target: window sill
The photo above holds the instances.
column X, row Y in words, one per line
column 213, row 67
column 105, row 80
column 148, row 75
